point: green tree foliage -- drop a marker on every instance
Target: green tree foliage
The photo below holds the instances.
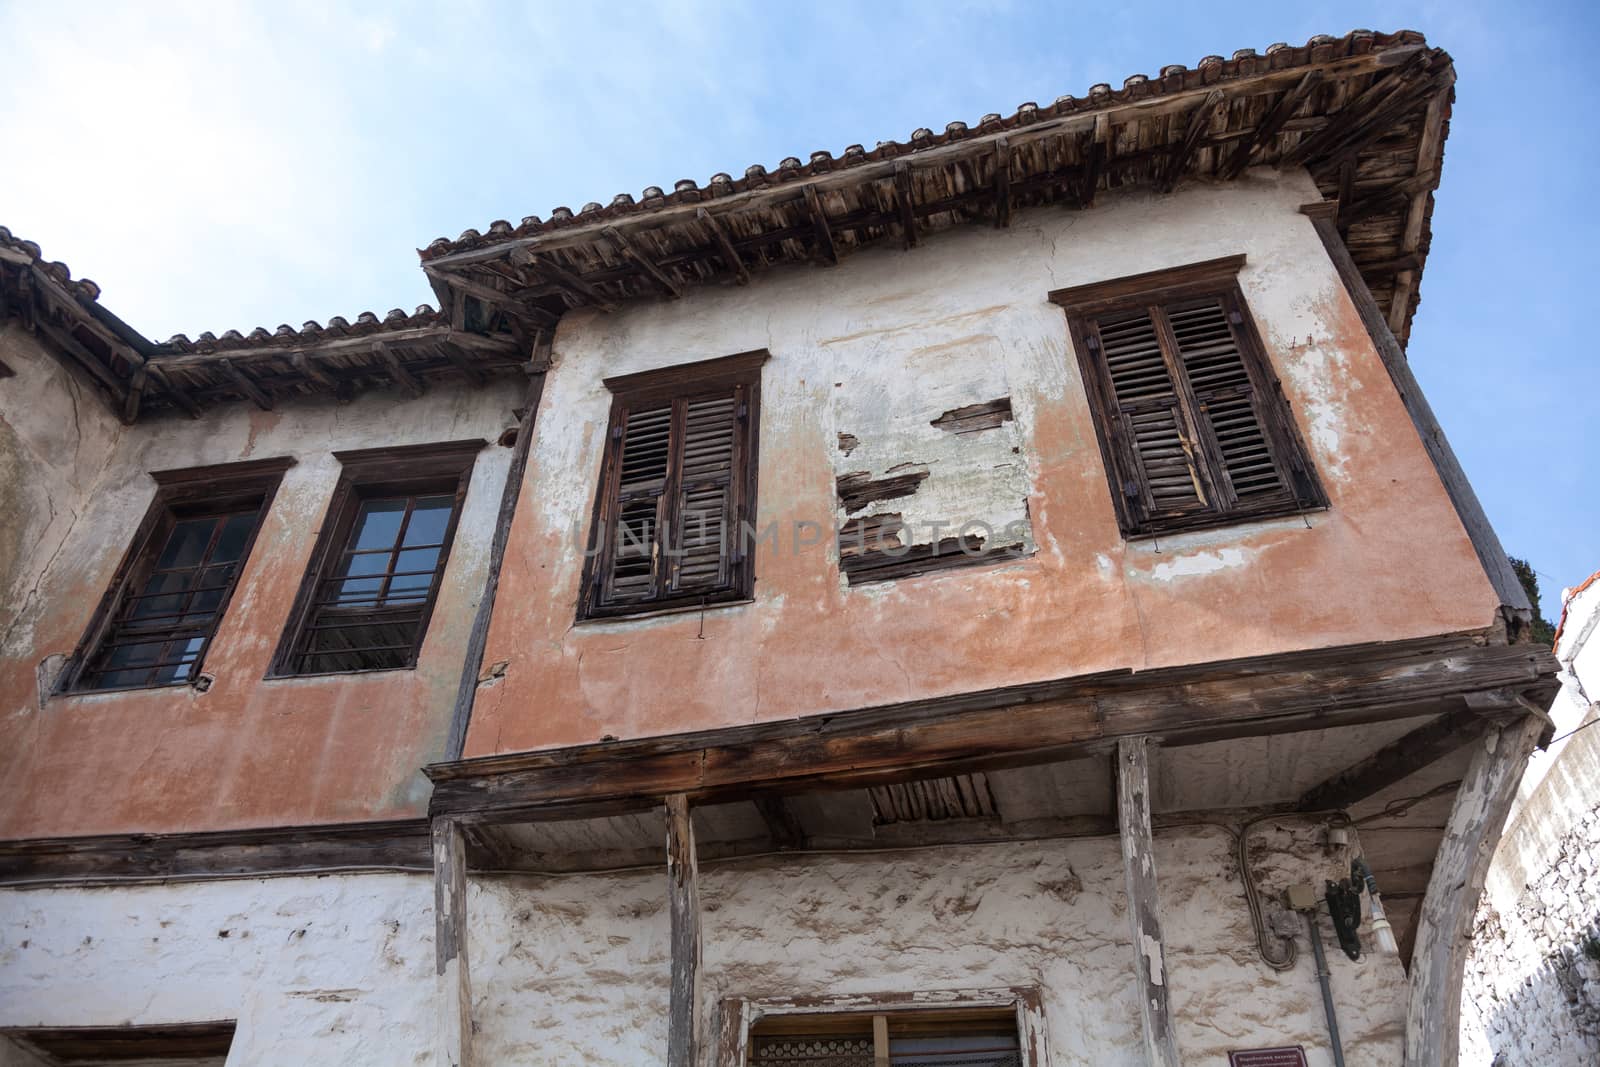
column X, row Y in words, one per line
column 1543, row 632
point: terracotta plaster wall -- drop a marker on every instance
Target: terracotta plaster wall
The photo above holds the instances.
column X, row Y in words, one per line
column 247, row 752
column 1388, row 561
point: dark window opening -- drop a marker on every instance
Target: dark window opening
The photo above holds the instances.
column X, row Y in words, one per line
column 1192, row 422
column 676, row 505
column 377, row 568
column 192, row 1044
column 158, row 618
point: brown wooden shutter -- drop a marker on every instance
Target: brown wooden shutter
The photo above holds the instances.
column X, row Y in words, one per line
column 703, row 526
column 1227, row 399
column 640, row 503
column 1155, row 441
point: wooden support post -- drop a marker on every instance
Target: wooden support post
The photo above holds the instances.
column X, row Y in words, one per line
column 1144, row 900
column 724, row 245
column 683, row 888
column 642, row 261
column 1002, row 182
column 880, row 1041
column 1513, row 599
column 1444, row 922
column 819, row 225
column 904, row 203
column 245, row 386
column 453, row 1043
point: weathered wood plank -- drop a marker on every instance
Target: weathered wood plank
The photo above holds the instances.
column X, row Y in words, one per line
column 683, row 891
column 245, row 386
column 904, row 203
column 819, row 226
column 730, row 255
column 783, row 826
column 1010, row 726
column 1144, row 900
column 453, row 1043
column 1444, row 925
column 1404, row 757
column 397, row 370
column 1513, row 600
column 1270, row 126
column 645, row 264
column 1183, row 153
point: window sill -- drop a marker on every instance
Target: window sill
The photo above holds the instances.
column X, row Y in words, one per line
column 66, row 694
column 658, row 613
column 1222, row 521
column 271, row 676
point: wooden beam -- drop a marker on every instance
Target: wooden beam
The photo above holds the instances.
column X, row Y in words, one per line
column 683, row 898
column 730, row 255
column 1427, row 163
column 1357, row 113
column 1393, row 762
column 1002, row 183
column 1513, row 599
column 1269, row 126
column 397, row 369
column 1144, row 900
column 510, row 493
column 546, row 267
column 130, row 402
column 783, row 827
column 1014, row 726
column 453, row 976
column 468, row 369
column 1183, row 152
column 1099, row 155
column 244, row 385
column 905, row 203
column 304, row 365
column 1444, row 922
column 819, row 226
column 63, row 339
column 177, row 393
column 643, row 262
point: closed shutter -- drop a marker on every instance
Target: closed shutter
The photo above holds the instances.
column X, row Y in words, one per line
column 1192, row 425
column 677, row 494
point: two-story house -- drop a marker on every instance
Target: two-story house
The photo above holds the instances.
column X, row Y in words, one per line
column 968, row 601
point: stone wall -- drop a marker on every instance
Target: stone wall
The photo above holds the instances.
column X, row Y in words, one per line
column 1532, row 990
column 572, row 971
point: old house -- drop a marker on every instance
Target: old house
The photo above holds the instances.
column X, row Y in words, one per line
column 960, row 602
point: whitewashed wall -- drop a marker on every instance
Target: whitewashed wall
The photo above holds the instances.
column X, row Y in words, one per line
column 573, row 971
column 1532, row 990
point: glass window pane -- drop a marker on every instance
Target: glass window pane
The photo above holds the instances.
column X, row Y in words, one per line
column 365, row 563
column 184, row 653
column 235, row 532
column 429, row 519
column 356, row 591
column 378, row 523
column 186, row 544
column 174, row 582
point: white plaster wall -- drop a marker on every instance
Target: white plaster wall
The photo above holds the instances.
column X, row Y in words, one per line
column 572, row 971
column 1532, row 988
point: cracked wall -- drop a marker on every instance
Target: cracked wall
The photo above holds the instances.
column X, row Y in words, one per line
column 866, row 358
column 573, row 971
column 248, row 751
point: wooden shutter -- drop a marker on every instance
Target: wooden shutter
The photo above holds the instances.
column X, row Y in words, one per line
column 679, row 481
column 1192, row 426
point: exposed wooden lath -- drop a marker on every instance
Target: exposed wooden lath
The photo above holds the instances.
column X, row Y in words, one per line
column 1366, row 113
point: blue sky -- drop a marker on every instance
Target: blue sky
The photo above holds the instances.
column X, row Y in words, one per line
column 216, row 165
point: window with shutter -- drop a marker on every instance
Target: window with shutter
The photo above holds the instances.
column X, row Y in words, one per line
column 156, row 622
column 378, row 565
column 677, row 492
column 1193, row 426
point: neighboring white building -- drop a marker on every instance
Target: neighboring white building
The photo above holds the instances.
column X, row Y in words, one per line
column 1532, row 992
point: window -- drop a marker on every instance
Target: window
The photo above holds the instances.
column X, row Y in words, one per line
column 156, row 621
column 1193, row 425
column 191, row 1044
column 376, row 568
column 955, row 1038
column 677, row 489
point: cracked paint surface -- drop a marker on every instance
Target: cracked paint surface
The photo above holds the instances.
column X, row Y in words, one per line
column 871, row 352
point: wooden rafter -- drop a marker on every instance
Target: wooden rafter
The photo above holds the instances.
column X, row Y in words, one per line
column 1002, row 183
column 1358, row 114
column 820, row 226
column 1270, row 126
column 783, row 826
column 904, row 199
column 645, row 264
column 244, row 385
column 1183, row 152
column 179, row 395
column 1393, row 762
column 304, row 365
column 396, row 368
column 546, row 267
column 730, row 255
column 135, row 394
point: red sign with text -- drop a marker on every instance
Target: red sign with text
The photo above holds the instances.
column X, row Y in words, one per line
column 1268, row 1057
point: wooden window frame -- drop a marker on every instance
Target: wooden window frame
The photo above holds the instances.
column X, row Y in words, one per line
column 740, row 1016
column 1212, row 279
column 176, row 490
column 685, row 381
column 428, row 469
